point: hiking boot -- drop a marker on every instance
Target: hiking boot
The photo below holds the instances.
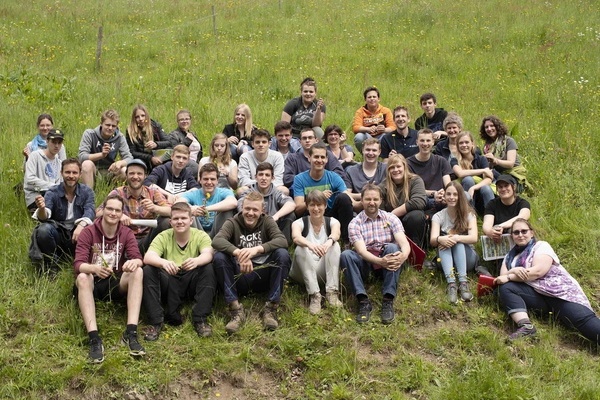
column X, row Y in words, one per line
column 333, row 299
column 315, row 303
column 364, row 311
column 237, row 319
column 465, row 293
column 135, row 348
column 96, row 354
column 451, row 293
column 153, row 332
column 524, row 330
column 269, row 315
column 387, row 311
column 203, row 329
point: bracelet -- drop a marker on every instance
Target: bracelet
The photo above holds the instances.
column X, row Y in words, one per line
column 332, row 240
column 437, row 240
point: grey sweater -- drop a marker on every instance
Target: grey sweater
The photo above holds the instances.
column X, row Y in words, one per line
column 92, row 142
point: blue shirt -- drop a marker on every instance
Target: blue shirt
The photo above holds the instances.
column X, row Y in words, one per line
column 304, row 183
column 198, row 198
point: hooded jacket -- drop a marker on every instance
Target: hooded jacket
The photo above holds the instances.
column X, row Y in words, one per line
column 93, row 247
column 92, row 142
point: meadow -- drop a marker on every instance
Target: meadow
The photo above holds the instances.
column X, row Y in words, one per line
column 534, row 64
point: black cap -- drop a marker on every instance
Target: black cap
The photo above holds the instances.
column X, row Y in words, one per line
column 137, row 161
column 507, row 178
column 56, row 134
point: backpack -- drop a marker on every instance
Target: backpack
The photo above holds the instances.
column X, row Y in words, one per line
column 306, row 223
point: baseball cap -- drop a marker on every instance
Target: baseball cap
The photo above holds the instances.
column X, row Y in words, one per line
column 56, row 134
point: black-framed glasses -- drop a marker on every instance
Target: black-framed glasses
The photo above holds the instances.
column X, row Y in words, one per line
column 520, row 232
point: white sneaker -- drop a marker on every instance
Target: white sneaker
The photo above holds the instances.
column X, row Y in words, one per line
column 315, row 303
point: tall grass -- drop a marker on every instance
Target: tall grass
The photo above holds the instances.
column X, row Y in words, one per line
column 534, row 64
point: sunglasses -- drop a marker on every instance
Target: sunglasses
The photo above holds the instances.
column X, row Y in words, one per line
column 520, row 232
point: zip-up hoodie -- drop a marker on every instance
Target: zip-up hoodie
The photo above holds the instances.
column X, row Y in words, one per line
column 92, row 142
column 93, row 247
column 236, row 235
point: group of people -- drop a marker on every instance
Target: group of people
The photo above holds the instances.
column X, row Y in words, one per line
column 187, row 226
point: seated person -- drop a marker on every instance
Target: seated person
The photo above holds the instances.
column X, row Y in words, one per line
column 317, row 254
column 42, row 169
column 145, row 136
column 221, row 157
column 379, row 247
column 370, row 170
column 501, row 151
column 372, row 119
column 433, row 169
column 299, row 161
column 141, row 202
column 278, row 205
column 404, row 196
column 402, row 140
column 100, row 147
column 261, row 153
column 532, row 279
column 173, row 177
column 283, row 141
column 212, row 205
column 339, row 203
column 305, row 111
column 447, row 147
column 44, row 124
column 63, row 212
column 453, row 232
column 432, row 118
column 246, row 242
column 239, row 132
column 183, row 135
column 335, row 137
column 108, row 266
column 178, row 265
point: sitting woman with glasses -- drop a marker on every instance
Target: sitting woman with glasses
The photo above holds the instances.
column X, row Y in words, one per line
column 335, row 137
column 183, row 135
column 532, row 279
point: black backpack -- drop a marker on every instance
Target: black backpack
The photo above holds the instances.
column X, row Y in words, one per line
column 306, row 223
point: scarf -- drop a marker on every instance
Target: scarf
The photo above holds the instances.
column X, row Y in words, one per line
column 38, row 142
column 497, row 147
column 522, row 252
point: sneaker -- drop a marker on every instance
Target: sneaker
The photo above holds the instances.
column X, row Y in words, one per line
column 387, row 311
column 203, row 329
column 364, row 311
column 524, row 330
column 153, row 332
column 315, row 303
column 269, row 316
column 237, row 319
column 96, row 354
column 135, row 348
column 333, row 299
column 465, row 293
column 481, row 270
column 451, row 293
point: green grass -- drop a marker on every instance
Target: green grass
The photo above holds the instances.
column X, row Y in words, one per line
column 534, row 64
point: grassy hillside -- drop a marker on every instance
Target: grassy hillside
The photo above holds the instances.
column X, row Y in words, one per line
column 534, row 64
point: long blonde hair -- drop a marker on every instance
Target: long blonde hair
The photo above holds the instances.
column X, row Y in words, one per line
column 225, row 159
column 465, row 162
column 143, row 135
column 390, row 186
column 248, row 113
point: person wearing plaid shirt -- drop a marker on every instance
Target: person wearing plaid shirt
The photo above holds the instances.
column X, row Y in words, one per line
column 381, row 247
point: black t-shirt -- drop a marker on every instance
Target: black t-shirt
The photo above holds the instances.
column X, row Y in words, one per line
column 503, row 213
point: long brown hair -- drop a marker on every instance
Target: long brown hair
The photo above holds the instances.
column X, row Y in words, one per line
column 390, row 186
column 137, row 134
column 463, row 209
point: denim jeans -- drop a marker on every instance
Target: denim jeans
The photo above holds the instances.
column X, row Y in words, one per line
column 520, row 297
column 54, row 242
column 357, row 270
column 268, row 279
column 462, row 257
column 486, row 193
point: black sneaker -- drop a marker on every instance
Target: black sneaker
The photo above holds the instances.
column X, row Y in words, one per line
column 96, row 354
column 135, row 348
column 152, row 332
column 525, row 330
column 364, row 311
column 387, row 311
column 202, row 328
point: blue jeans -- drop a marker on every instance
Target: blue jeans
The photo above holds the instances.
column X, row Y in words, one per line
column 54, row 241
column 519, row 297
column 462, row 257
column 357, row 270
column 486, row 193
column 268, row 279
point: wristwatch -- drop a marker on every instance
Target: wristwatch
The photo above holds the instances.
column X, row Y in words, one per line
column 83, row 223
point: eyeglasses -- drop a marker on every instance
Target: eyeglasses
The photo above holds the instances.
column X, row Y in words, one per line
column 113, row 210
column 184, row 119
column 520, row 232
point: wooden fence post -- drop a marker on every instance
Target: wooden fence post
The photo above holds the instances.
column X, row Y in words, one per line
column 99, row 47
